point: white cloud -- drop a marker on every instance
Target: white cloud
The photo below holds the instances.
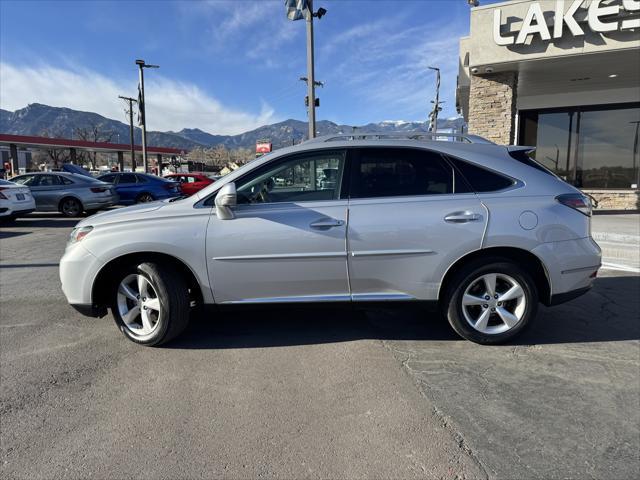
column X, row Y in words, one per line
column 171, row 105
column 391, row 71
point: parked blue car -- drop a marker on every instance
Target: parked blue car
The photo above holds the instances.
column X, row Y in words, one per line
column 141, row 187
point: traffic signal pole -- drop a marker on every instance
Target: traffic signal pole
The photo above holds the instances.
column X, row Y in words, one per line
column 311, row 85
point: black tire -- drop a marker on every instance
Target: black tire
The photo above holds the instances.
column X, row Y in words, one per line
column 145, row 198
column 70, row 207
column 173, row 295
column 452, row 305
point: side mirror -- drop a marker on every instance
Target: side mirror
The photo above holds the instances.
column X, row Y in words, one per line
column 226, row 199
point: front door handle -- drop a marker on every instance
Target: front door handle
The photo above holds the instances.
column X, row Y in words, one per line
column 462, row 217
column 326, row 223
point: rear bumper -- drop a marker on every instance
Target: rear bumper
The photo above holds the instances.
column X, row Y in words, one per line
column 559, row 298
column 89, row 310
column 101, row 202
column 15, row 213
column 570, row 266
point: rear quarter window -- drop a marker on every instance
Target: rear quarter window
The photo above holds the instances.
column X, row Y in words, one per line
column 481, row 179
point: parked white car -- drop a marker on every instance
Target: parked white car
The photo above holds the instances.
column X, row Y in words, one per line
column 482, row 229
column 15, row 200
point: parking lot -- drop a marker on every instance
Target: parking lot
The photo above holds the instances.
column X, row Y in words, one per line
column 324, row 393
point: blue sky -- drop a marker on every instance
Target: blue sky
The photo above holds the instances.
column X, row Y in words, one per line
column 230, row 66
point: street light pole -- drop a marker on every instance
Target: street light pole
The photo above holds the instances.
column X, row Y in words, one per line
column 142, row 106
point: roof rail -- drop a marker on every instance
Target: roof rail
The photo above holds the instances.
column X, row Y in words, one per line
column 421, row 136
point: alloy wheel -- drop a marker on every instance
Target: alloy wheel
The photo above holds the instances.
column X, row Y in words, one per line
column 71, row 207
column 494, row 303
column 138, row 305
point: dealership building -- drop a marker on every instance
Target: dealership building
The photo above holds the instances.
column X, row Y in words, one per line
column 562, row 76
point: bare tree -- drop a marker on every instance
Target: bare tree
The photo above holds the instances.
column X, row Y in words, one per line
column 93, row 133
column 58, row 156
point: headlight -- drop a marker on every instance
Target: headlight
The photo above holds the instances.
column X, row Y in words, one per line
column 78, row 233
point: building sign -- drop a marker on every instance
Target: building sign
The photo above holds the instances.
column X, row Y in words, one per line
column 599, row 19
column 262, row 147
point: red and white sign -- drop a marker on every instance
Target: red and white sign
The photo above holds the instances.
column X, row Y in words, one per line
column 263, row 147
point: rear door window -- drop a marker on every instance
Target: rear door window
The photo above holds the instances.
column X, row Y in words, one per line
column 127, row 178
column 108, row 178
column 392, row 172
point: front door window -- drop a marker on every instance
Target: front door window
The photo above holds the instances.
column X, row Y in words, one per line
column 307, row 177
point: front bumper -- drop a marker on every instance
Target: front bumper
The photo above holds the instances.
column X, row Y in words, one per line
column 78, row 269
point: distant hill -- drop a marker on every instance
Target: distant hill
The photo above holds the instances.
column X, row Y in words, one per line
column 38, row 119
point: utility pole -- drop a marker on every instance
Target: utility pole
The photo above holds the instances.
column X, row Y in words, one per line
column 142, row 107
column 131, row 142
column 635, row 151
column 433, row 117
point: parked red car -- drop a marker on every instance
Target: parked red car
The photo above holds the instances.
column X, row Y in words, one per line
column 190, row 182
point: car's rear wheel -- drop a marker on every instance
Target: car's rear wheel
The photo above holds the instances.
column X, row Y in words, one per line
column 144, row 198
column 150, row 304
column 70, row 207
column 490, row 301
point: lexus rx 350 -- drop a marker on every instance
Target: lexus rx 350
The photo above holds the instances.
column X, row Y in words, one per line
column 480, row 228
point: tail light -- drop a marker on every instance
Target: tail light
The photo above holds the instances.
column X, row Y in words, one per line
column 172, row 186
column 577, row 201
column 2, row 195
column 99, row 189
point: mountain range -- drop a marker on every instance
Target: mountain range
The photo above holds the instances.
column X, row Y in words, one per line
column 38, row 119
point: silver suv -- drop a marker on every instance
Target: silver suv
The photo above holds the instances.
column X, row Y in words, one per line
column 482, row 229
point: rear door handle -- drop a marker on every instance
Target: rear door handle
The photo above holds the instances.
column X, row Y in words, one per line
column 462, row 217
column 326, row 223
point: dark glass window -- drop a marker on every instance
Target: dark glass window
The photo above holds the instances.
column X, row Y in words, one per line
column 480, row 179
column 127, row 178
column 590, row 147
column 66, row 180
column 25, row 180
column 392, row 172
column 141, row 179
column 108, row 178
column 47, row 180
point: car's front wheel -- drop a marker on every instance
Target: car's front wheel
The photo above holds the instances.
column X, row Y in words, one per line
column 150, row 304
column 490, row 301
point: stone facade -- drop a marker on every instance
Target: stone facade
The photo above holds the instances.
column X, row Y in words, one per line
column 492, row 106
column 616, row 199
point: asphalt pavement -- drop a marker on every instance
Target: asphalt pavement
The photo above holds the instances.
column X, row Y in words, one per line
column 323, row 393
